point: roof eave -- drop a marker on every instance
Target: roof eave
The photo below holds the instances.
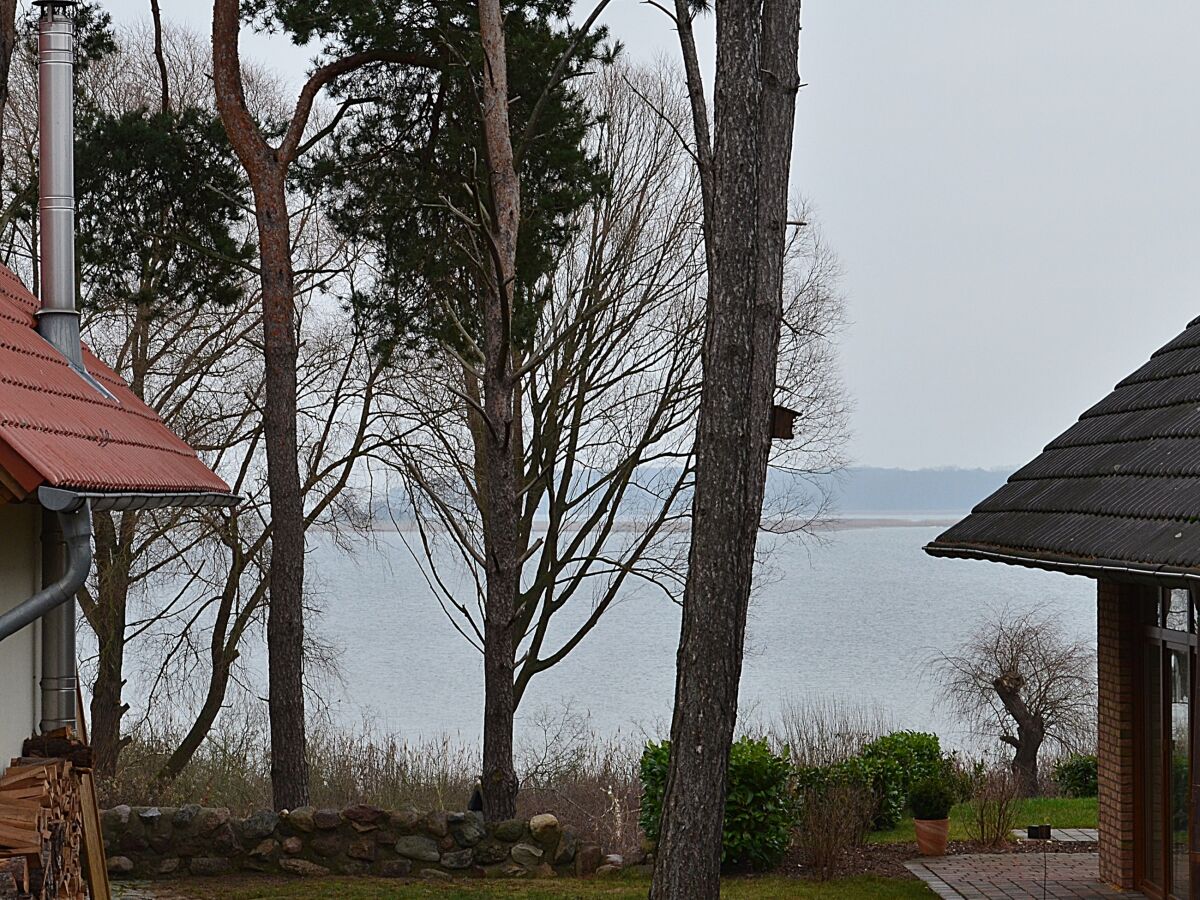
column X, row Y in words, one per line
column 1050, row 562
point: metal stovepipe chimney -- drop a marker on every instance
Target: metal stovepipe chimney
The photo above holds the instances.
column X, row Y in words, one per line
column 58, row 319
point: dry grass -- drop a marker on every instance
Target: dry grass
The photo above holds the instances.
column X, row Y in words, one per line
column 590, row 783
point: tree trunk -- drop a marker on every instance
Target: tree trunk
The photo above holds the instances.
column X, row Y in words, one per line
column 1025, row 763
column 214, row 700
column 108, row 621
column 501, row 490
column 267, row 170
column 754, row 113
column 160, row 57
column 8, row 43
column 285, row 613
column 1031, row 731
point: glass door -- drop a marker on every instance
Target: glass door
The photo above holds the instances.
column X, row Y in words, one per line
column 1168, row 669
column 1179, row 670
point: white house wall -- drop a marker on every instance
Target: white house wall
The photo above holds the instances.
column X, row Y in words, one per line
column 19, row 573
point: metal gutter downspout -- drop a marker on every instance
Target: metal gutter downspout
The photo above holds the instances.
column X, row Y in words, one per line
column 77, row 536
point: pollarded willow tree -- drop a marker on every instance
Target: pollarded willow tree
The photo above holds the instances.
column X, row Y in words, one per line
column 1019, row 678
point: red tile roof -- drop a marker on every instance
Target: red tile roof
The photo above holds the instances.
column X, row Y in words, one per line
column 58, row 430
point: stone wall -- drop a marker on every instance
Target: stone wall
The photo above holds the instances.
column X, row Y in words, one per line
column 153, row 842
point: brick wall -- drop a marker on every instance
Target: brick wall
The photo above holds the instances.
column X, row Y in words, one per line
column 1118, row 608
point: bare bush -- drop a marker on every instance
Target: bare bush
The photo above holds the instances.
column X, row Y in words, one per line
column 833, row 819
column 820, row 731
column 587, row 780
column 994, row 807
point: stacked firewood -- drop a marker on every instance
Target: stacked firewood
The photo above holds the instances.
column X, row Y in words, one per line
column 42, row 822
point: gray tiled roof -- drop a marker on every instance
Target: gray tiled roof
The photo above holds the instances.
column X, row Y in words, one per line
column 1118, row 489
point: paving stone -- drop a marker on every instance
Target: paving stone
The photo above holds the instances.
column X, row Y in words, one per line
column 1017, row 876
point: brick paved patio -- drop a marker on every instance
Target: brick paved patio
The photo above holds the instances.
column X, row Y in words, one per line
column 1016, row 876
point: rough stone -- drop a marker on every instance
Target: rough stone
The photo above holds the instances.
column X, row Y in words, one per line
column 327, row 819
column 208, row 820
column 362, row 848
column 565, row 853
column 292, row 845
column 302, row 867
column 119, row 865
column 435, row 875
column 160, row 830
column 527, row 855
column 510, row 830
column 150, row 815
column 587, row 858
column 404, row 820
column 490, row 851
column 504, row 870
column 544, row 828
column 468, row 829
column 265, row 849
column 354, row 867
column 607, row 871
column 363, row 815
column 545, row 870
column 185, row 815
column 394, row 868
column 169, row 866
column 133, row 837
column 327, row 845
column 459, row 859
column 209, row 866
column 302, row 819
column 224, row 840
column 422, row 849
column 117, row 817
column 436, row 824
column 260, row 825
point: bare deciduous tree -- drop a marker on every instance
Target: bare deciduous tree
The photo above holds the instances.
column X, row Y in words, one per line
column 602, row 401
column 1020, row 679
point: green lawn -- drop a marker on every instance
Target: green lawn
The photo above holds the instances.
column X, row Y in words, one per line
column 865, row 888
column 1060, row 812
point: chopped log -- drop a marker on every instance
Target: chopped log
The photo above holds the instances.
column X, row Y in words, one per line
column 16, row 869
column 61, row 744
column 42, row 825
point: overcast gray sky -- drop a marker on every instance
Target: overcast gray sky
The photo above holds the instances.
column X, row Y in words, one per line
column 1013, row 190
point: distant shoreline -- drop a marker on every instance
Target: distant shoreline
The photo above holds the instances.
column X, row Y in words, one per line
column 851, row 524
column 833, row 524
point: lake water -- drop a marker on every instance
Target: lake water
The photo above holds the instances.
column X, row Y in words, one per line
column 854, row 617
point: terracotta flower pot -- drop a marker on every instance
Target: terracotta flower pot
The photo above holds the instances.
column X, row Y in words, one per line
column 932, row 835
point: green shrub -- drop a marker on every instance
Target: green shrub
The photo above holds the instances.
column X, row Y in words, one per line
column 930, row 798
column 1076, row 776
column 909, row 756
column 878, row 776
column 759, row 810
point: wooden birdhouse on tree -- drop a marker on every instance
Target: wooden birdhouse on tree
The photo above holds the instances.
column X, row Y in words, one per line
column 783, row 422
